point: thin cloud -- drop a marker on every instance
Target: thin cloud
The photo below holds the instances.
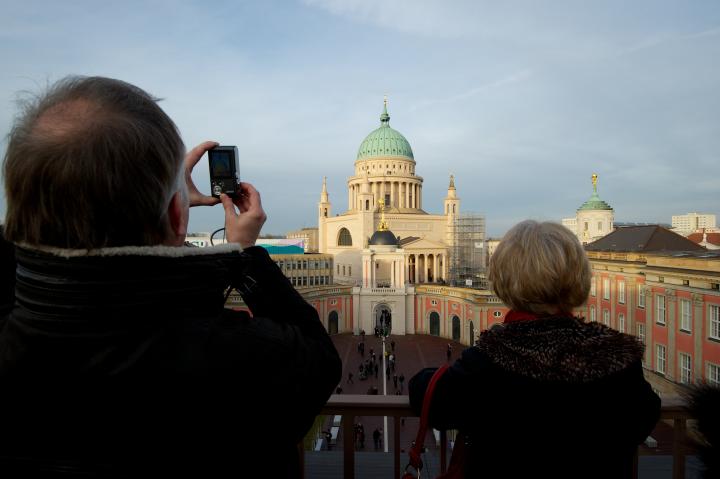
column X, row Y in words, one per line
column 516, row 77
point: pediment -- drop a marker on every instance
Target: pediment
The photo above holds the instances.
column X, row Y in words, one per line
column 422, row 244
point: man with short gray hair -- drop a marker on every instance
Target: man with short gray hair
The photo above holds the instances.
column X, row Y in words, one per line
column 117, row 356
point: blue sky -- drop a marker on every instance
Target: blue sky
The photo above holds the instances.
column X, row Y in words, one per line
column 522, row 101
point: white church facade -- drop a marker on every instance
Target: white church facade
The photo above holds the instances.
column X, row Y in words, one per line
column 385, row 243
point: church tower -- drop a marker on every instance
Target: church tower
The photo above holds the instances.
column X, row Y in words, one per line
column 324, row 212
column 451, row 209
column 594, row 217
column 366, row 206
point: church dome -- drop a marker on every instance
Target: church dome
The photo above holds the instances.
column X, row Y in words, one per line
column 383, row 238
column 384, row 141
column 594, row 203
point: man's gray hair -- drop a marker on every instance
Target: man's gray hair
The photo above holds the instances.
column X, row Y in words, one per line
column 93, row 162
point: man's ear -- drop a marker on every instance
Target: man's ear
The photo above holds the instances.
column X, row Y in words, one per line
column 178, row 216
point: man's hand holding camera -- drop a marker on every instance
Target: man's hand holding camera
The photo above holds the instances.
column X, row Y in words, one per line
column 191, row 159
column 243, row 228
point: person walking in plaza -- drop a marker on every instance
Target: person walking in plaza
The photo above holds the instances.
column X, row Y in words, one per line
column 395, row 380
column 376, row 439
column 448, row 352
column 377, row 368
column 401, row 378
column 559, row 379
column 392, row 345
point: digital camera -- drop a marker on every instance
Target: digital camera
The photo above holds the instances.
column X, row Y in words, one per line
column 224, row 171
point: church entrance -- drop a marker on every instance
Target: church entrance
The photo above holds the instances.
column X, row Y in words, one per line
column 333, row 322
column 383, row 318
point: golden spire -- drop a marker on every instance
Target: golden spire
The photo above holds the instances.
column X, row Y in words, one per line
column 594, row 181
column 383, row 226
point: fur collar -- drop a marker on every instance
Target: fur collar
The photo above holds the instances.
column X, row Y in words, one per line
column 155, row 250
column 560, row 349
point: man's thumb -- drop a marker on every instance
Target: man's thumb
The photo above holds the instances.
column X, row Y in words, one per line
column 228, row 207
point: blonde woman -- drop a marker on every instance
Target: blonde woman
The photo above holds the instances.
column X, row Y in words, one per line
column 547, row 394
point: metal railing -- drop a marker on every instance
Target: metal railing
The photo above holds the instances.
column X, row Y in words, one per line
column 350, row 406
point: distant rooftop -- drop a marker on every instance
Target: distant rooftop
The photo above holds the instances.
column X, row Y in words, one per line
column 625, row 224
column 644, row 239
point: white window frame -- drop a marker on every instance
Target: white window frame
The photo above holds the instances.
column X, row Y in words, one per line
column 641, row 332
column 621, row 322
column 714, row 321
column 606, row 317
column 606, row 288
column 592, row 313
column 685, row 315
column 593, row 286
column 660, row 358
column 685, row 361
column 660, row 308
column 621, row 291
column 713, row 374
column 641, row 296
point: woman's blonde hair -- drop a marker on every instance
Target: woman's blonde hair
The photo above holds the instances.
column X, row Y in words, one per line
column 540, row 268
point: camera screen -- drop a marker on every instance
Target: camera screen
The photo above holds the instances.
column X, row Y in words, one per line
column 220, row 163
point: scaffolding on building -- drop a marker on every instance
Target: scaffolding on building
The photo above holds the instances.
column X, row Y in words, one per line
column 468, row 255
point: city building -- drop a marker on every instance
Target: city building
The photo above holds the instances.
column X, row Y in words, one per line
column 203, row 240
column 309, row 237
column 664, row 289
column 705, row 239
column 693, row 222
column 593, row 219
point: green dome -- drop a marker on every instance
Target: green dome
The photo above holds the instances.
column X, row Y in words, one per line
column 384, row 141
column 595, row 203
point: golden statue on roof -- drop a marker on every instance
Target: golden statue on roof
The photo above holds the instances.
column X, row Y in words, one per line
column 383, row 226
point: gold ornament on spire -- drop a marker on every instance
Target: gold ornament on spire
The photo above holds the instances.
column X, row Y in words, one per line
column 594, row 182
column 383, row 226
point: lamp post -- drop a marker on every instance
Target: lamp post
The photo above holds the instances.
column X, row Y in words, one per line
column 385, row 428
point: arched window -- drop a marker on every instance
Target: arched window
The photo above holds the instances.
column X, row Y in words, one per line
column 456, row 328
column 367, row 205
column 434, row 324
column 344, row 238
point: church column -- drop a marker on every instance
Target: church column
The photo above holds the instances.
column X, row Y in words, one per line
column 435, row 268
column 419, row 197
column 373, row 188
column 350, row 203
column 405, row 193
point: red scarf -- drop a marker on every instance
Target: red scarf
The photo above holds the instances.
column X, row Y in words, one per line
column 515, row 316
